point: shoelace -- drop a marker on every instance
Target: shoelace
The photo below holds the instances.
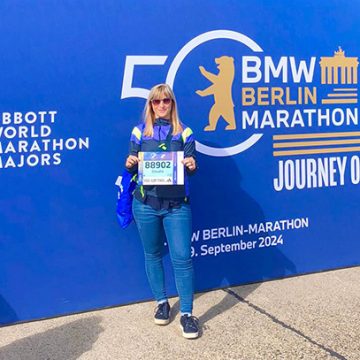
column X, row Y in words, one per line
column 192, row 322
column 160, row 309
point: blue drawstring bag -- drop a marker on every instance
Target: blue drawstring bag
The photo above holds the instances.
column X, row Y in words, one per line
column 126, row 185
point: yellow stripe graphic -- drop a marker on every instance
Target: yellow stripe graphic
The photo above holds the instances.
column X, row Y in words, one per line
column 315, row 143
column 316, row 151
column 346, row 95
column 352, row 89
column 317, row 135
column 339, row 101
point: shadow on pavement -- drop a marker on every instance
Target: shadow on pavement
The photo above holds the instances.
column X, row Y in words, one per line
column 225, row 304
column 68, row 342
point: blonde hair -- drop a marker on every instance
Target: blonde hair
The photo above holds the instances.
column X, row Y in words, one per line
column 157, row 92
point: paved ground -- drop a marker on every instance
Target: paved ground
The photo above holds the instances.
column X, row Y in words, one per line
column 308, row 317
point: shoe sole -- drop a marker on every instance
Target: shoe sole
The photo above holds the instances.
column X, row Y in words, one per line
column 161, row 321
column 189, row 335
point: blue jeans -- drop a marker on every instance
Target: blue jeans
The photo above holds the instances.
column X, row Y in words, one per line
column 176, row 224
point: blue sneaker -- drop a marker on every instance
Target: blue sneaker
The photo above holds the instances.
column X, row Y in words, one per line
column 189, row 326
column 162, row 314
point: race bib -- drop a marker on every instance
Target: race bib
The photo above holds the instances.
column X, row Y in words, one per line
column 161, row 168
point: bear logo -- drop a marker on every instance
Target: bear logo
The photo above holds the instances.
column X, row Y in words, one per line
column 221, row 88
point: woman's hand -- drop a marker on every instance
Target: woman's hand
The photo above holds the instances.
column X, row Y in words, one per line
column 190, row 163
column 131, row 161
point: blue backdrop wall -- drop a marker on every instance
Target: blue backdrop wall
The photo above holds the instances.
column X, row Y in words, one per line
column 276, row 194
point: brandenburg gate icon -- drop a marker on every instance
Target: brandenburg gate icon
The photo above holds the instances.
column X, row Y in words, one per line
column 332, row 67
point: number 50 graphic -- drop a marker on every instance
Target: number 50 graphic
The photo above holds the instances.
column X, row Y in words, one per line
column 128, row 91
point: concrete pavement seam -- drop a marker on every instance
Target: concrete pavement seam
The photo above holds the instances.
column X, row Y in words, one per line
column 284, row 325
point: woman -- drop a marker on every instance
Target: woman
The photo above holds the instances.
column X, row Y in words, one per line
column 165, row 208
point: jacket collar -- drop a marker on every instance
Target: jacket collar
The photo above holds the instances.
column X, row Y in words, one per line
column 161, row 122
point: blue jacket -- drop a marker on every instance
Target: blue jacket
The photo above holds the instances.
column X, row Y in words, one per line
column 181, row 142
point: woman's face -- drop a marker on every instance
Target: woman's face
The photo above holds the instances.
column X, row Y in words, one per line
column 162, row 106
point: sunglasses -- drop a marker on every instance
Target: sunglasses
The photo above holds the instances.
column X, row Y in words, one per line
column 156, row 102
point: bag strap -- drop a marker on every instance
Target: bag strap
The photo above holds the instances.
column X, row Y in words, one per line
column 166, row 145
column 168, row 139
